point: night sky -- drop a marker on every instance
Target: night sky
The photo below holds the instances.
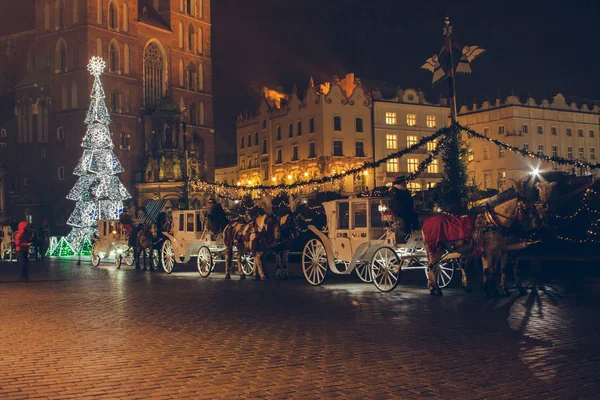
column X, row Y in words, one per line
column 532, row 47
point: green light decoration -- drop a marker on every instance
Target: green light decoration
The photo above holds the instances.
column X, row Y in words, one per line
column 60, row 247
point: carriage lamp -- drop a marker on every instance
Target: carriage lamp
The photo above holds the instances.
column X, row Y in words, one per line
column 535, row 171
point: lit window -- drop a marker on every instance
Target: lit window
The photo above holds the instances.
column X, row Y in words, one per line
column 312, row 150
column 580, row 132
column 554, row 151
column 487, row 180
column 501, row 130
column 337, row 123
column 411, row 141
column 553, row 131
column 540, row 149
column 501, row 179
column 311, row 125
column 592, row 153
column 525, row 128
column 243, row 164
column 338, row 149
column 581, row 153
column 359, row 125
column 278, row 159
column 412, row 164
column 391, row 142
column 501, row 152
column 295, row 153
column 540, row 129
column 390, row 118
column 432, row 145
column 411, row 119
column 431, row 121
column 433, row 167
column 486, row 152
column 360, row 149
column 391, row 165
column 413, row 186
column 471, row 155
column 569, row 132
column 569, row 152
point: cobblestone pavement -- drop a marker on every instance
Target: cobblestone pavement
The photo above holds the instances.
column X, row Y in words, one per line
column 81, row 332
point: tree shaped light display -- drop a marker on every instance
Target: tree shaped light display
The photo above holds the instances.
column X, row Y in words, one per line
column 99, row 193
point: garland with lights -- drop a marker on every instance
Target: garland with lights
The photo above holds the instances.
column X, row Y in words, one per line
column 99, row 193
column 526, row 153
column 229, row 191
column 584, row 208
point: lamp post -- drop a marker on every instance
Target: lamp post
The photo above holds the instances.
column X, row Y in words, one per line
column 443, row 67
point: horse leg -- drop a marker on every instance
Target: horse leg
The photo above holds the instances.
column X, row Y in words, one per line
column 286, row 252
column 517, row 276
column 228, row 256
column 258, row 261
column 136, row 256
column 465, row 266
column 278, row 274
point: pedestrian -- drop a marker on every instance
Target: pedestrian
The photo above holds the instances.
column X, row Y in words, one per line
column 43, row 238
column 402, row 206
column 22, row 243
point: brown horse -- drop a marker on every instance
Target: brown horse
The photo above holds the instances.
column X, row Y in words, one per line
column 144, row 244
column 492, row 232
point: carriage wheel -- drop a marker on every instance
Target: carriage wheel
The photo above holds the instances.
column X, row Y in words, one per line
column 118, row 260
column 205, row 262
column 167, row 256
column 385, row 269
column 446, row 272
column 314, row 262
column 364, row 272
column 155, row 258
column 129, row 257
column 95, row 255
column 247, row 264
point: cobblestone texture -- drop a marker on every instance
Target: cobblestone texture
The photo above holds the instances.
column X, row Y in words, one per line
column 84, row 332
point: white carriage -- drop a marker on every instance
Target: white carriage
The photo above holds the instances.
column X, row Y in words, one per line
column 191, row 237
column 358, row 237
column 8, row 244
column 111, row 241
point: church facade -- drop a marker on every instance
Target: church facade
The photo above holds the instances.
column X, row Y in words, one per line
column 158, row 84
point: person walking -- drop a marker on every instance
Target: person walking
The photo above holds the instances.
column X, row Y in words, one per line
column 22, row 242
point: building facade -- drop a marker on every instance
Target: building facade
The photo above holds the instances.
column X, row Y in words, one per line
column 158, row 85
column 295, row 138
column 555, row 128
column 228, row 175
column 398, row 123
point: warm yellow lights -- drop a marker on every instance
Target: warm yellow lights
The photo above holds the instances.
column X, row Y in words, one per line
column 365, row 172
column 306, row 174
column 249, row 182
column 343, row 172
column 274, row 179
column 239, row 183
column 290, row 177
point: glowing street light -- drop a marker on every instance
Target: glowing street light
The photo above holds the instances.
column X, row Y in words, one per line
column 535, row 172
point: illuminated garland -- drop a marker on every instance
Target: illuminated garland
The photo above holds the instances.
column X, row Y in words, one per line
column 230, row 191
column 584, row 206
column 526, row 153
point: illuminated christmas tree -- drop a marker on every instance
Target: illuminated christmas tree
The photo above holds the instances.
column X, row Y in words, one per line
column 99, row 193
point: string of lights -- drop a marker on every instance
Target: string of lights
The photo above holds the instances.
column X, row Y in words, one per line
column 332, row 182
column 526, row 153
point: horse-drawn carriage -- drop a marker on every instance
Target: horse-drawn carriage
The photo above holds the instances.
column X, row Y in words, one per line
column 111, row 241
column 360, row 237
column 189, row 237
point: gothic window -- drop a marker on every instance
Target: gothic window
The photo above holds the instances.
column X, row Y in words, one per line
column 181, row 73
column 125, row 18
column 154, row 74
column 193, row 114
column 200, row 77
column 61, row 56
column 200, row 41
column 126, row 56
column 113, row 16
column 114, row 58
column 181, row 35
column 113, row 100
column 60, row 14
column 191, row 39
column 188, row 7
column 202, row 114
column 191, row 77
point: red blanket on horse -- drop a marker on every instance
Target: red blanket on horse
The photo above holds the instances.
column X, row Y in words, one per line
column 447, row 228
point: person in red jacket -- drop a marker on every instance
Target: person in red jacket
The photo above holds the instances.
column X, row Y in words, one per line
column 22, row 242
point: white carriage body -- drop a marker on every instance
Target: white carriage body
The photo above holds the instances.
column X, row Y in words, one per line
column 112, row 238
column 189, row 232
